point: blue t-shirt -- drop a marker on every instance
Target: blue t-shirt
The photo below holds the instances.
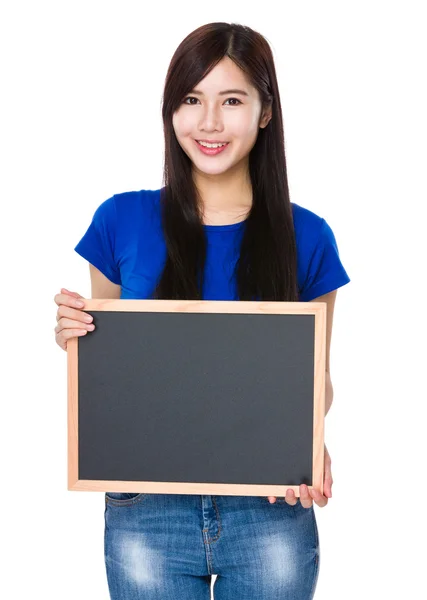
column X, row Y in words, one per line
column 125, row 242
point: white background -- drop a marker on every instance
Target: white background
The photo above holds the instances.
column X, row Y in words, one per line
column 80, row 121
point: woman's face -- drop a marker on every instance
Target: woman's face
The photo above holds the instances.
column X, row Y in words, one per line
column 224, row 107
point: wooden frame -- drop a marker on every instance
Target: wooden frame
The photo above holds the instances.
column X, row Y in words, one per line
column 318, row 309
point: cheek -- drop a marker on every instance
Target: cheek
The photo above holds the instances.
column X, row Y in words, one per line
column 183, row 125
column 246, row 125
column 245, row 129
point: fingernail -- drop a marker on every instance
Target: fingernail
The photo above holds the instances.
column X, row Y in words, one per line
column 79, row 303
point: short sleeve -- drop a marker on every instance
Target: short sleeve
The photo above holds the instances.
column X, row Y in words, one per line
column 98, row 243
column 325, row 269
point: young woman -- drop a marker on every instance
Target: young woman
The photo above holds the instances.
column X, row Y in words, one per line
column 221, row 228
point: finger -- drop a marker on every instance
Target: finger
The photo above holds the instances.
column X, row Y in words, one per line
column 305, row 497
column 271, row 499
column 67, row 334
column 290, row 497
column 75, row 294
column 73, row 313
column 318, row 497
column 69, row 300
column 64, row 292
column 64, row 323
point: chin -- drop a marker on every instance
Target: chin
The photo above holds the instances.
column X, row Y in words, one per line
column 210, row 166
column 212, row 170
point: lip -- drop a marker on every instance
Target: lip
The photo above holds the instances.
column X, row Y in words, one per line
column 211, row 151
column 213, row 141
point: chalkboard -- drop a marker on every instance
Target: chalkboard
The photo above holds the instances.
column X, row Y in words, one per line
column 197, row 397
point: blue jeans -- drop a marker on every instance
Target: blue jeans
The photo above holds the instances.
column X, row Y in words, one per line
column 168, row 546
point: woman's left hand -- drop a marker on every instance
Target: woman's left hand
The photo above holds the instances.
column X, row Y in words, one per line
column 307, row 496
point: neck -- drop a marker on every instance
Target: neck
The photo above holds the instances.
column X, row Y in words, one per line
column 225, row 198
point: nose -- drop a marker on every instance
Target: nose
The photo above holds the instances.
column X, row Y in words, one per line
column 211, row 118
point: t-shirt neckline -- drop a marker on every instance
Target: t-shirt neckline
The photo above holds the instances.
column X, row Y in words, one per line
column 228, row 227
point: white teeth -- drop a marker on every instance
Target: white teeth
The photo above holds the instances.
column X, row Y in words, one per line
column 211, row 145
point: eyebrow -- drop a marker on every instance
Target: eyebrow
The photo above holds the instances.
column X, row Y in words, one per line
column 223, row 93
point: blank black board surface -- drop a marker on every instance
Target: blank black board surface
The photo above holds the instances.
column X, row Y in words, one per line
column 196, row 397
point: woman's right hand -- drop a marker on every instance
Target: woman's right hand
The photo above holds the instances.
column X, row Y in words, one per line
column 71, row 320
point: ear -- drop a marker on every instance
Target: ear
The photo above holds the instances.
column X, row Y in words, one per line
column 265, row 118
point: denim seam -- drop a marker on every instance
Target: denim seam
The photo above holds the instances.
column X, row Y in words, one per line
column 208, row 551
column 127, row 502
column 215, row 538
column 316, row 570
column 317, row 558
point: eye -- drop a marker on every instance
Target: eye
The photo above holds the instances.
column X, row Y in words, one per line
column 236, row 99
column 189, row 98
column 193, row 98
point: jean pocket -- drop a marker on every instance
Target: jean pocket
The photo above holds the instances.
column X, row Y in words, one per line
column 123, row 498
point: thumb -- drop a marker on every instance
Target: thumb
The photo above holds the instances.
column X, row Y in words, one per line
column 74, row 294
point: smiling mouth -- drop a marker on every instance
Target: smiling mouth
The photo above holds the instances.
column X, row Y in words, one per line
column 212, row 149
column 207, row 144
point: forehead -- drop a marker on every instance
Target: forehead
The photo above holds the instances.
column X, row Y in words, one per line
column 225, row 75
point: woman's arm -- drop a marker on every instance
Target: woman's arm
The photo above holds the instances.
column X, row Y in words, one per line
column 330, row 301
column 103, row 287
column 329, row 392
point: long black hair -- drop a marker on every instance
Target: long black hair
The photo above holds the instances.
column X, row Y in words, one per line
column 266, row 268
